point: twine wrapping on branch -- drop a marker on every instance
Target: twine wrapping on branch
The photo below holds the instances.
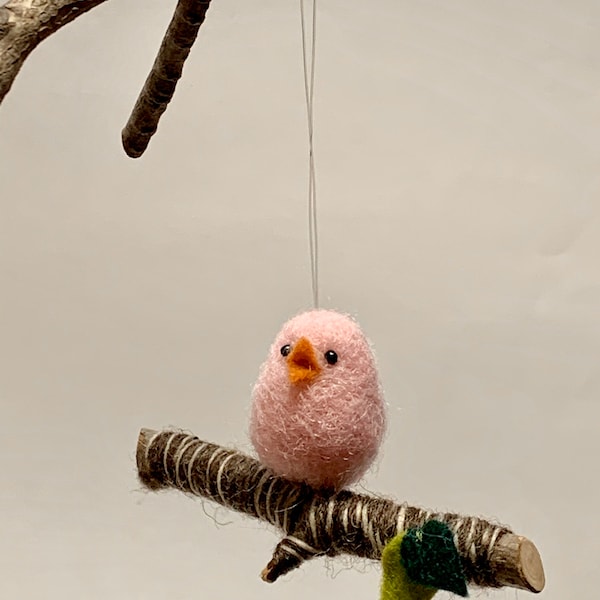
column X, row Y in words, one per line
column 317, row 524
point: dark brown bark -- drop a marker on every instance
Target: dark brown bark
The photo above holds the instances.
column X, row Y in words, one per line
column 162, row 80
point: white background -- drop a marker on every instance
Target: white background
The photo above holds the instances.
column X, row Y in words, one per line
column 458, row 148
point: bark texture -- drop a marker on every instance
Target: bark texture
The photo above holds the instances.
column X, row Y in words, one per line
column 25, row 23
column 162, row 80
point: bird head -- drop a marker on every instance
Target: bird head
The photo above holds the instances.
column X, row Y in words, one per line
column 320, row 349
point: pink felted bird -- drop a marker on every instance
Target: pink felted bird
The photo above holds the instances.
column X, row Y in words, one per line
column 318, row 414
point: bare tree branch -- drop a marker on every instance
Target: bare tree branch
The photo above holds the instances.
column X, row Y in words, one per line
column 317, row 524
column 162, row 80
column 25, row 23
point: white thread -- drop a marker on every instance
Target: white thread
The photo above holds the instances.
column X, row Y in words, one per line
column 358, row 511
column 185, row 444
column 219, row 475
column 276, row 512
column 309, row 86
column 210, row 461
column 291, row 551
column 268, row 502
column 258, row 491
column 365, row 518
column 285, row 510
column 473, row 552
column 484, row 537
column 379, row 542
column 166, row 455
column 312, row 520
column 471, row 533
column 401, row 517
column 456, row 528
column 345, row 519
column 149, row 445
column 368, row 527
column 493, row 540
column 302, row 544
column 329, row 519
column 285, row 519
column 469, row 543
column 193, row 458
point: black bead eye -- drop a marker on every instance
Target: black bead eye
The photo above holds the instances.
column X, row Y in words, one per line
column 331, row 357
column 285, row 350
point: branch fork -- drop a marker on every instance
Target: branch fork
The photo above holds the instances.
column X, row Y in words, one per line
column 318, row 524
column 26, row 23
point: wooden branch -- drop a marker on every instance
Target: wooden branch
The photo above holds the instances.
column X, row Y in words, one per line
column 24, row 24
column 316, row 524
column 162, row 80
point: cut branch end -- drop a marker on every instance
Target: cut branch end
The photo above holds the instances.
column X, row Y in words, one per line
column 315, row 524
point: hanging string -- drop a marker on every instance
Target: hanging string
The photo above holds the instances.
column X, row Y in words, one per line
column 308, row 60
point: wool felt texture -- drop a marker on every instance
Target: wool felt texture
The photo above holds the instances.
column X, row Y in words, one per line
column 318, row 418
column 430, row 557
column 395, row 583
column 418, row 562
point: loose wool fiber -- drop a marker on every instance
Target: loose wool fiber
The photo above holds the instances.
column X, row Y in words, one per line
column 312, row 421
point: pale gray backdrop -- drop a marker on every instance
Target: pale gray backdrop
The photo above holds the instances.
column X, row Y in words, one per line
column 458, row 148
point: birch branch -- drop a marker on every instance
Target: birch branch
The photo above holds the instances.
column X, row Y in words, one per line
column 315, row 524
column 26, row 23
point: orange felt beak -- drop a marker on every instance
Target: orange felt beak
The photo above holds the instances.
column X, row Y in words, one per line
column 302, row 362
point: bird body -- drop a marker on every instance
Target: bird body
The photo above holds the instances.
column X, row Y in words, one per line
column 318, row 414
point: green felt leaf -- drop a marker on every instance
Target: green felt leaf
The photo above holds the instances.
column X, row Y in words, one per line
column 431, row 558
column 395, row 583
